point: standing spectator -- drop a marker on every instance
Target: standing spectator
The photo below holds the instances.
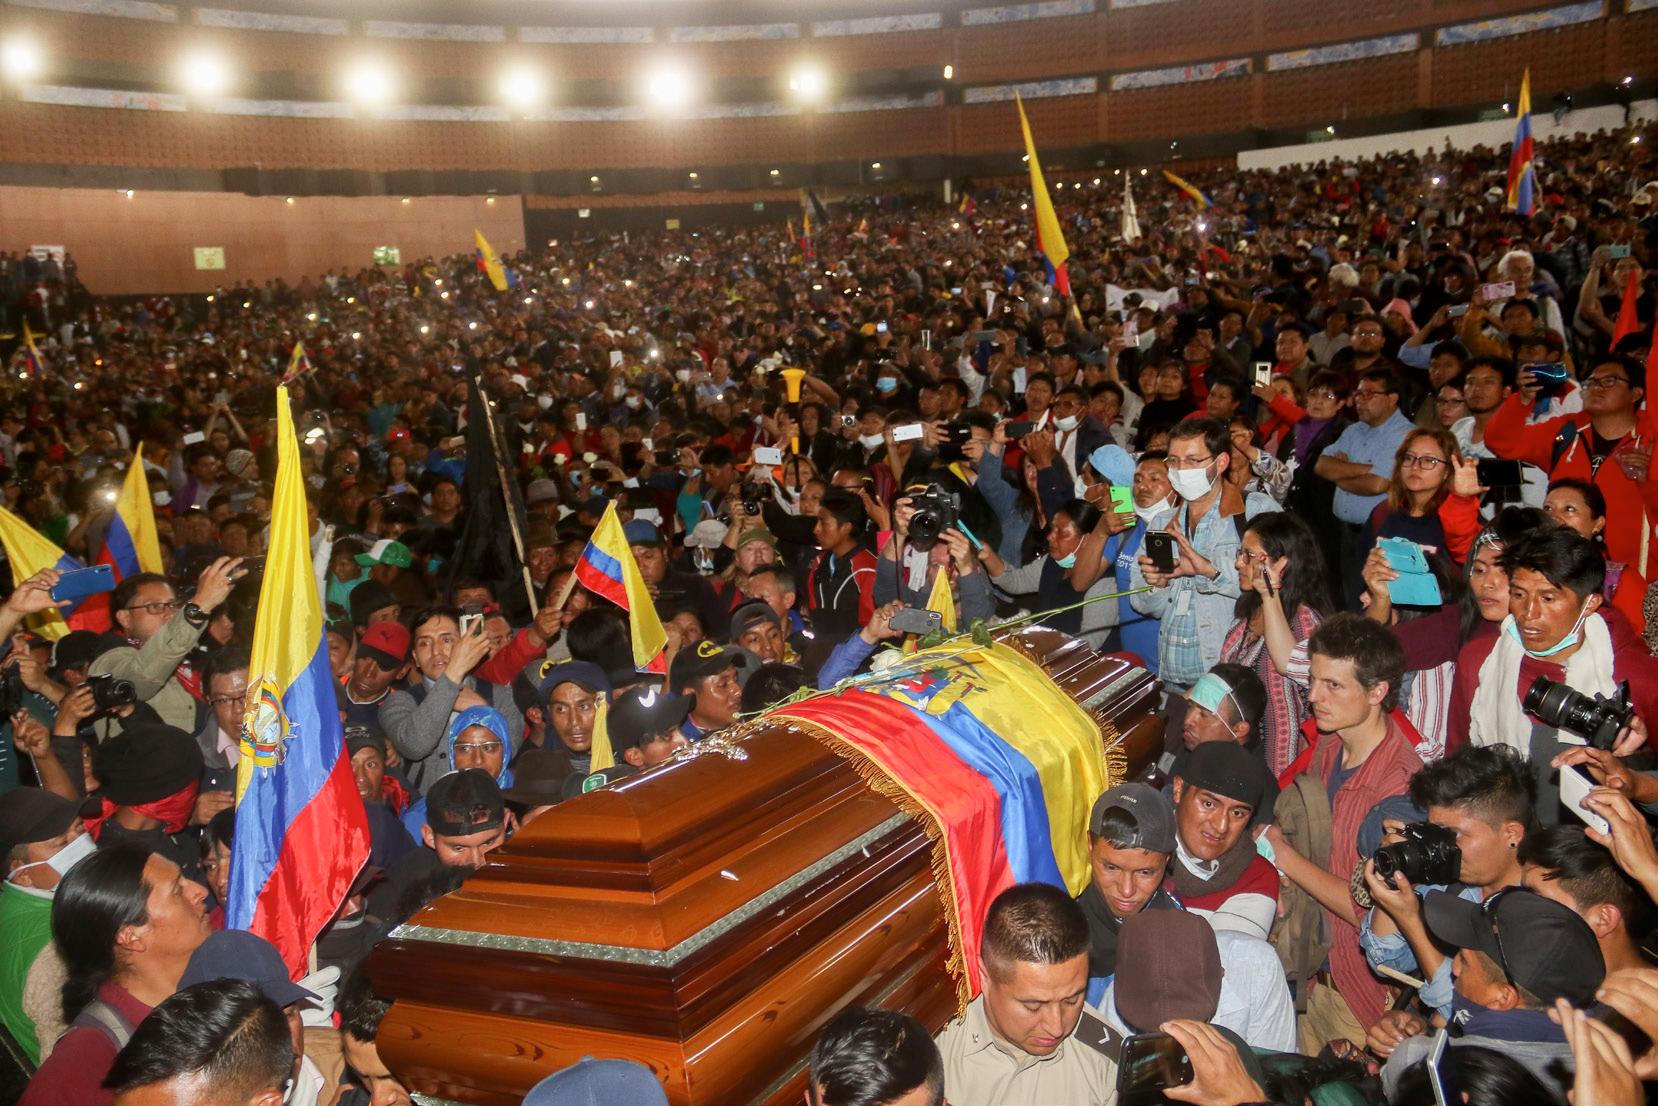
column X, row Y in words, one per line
column 41, row 840
column 1432, row 498
column 1360, row 464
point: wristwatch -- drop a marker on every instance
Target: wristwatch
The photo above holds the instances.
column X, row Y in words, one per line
column 195, row 615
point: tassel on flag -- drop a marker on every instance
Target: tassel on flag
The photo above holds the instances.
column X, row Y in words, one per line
column 1522, row 177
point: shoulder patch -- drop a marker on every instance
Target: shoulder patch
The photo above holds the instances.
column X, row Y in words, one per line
column 1095, row 1035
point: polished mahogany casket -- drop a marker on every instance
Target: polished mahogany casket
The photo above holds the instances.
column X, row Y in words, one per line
column 706, row 918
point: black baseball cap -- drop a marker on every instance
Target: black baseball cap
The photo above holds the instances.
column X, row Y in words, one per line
column 1150, row 810
column 237, row 954
column 640, row 712
column 77, row 649
column 1541, row 945
column 30, row 814
column 756, row 612
column 465, row 802
column 1225, row 768
column 706, row 658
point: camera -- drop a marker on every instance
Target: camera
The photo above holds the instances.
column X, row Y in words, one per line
column 753, row 495
column 108, row 693
column 1428, row 854
column 936, row 510
column 1597, row 719
column 11, row 693
column 849, row 420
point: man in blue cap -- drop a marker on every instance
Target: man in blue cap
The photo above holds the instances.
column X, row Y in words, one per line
column 573, row 693
column 648, row 547
column 590, row 1082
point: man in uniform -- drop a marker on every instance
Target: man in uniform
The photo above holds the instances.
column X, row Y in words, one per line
column 1029, row 1039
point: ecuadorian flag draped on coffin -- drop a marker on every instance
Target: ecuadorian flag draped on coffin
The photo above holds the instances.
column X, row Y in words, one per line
column 1003, row 764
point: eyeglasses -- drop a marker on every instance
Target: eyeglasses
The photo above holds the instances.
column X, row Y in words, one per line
column 1324, row 393
column 481, row 748
column 159, row 607
column 1189, row 462
column 1604, row 383
column 1421, row 461
column 1363, row 394
column 235, row 697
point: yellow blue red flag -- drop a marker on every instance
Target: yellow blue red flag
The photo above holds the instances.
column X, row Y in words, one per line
column 131, row 544
column 33, row 363
column 301, row 831
column 299, row 363
column 29, row 551
column 1050, row 239
column 1522, row 177
column 489, row 261
column 608, row 570
column 1189, row 188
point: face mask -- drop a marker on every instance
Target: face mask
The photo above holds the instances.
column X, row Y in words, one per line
column 1191, row 484
column 1067, row 424
column 870, row 441
column 545, row 402
column 682, row 375
column 886, row 385
column 1512, row 629
column 618, row 391
column 65, row 858
column 1068, row 560
column 1146, row 514
column 633, row 402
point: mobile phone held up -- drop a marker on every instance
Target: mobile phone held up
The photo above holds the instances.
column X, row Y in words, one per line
column 1163, row 550
column 1150, row 1064
column 916, row 620
column 83, row 582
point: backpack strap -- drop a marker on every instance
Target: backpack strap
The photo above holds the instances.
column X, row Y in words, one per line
column 103, row 1017
column 1562, row 442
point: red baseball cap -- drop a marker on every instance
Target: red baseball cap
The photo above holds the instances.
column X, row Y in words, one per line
column 387, row 643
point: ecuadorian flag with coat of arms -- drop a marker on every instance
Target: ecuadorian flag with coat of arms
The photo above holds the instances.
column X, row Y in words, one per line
column 301, row 832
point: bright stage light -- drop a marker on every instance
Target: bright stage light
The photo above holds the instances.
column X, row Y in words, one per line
column 204, row 74
column 669, row 87
column 21, row 58
column 369, row 82
column 808, row 83
column 522, row 87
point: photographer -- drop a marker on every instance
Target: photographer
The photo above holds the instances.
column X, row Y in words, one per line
column 153, row 659
column 946, row 550
column 1557, row 629
column 1481, row 801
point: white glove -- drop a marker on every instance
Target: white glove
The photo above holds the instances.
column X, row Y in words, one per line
column 325, row 984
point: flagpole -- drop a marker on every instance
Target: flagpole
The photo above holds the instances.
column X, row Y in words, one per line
column 501, row 468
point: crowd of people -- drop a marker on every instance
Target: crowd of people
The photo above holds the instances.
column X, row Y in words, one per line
column 1355, row 459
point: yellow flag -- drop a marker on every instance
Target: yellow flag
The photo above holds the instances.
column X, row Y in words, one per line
column 29, row 551
column 492, row 261
column 1050, row 239
column 603, row 756
column 941, row 600
column 137, row 513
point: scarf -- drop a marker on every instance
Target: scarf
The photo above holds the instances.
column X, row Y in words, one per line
column 1229, row 868
column 173, row 812
column 1306, row 433
column 1103, row 927
column 1496, row 718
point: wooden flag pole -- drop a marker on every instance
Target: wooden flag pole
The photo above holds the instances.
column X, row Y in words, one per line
column 506, row 497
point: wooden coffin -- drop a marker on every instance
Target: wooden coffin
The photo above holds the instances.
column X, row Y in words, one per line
column 706, row 918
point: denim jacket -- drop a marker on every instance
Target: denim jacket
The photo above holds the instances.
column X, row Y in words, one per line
column 1394, row 952
column 1196, row 611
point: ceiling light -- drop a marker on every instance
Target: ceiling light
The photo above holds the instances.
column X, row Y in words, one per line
column 669, row 87
column 21, row 58
column 949, row 72
column 808, row 83
column 522, row 87
column 289, row 201
column 204, row 74
column 369, row 82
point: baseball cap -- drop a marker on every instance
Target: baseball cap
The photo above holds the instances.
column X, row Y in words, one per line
column 147, row 763
column 387, row 552
column 368, row 597
column 465, row 802
column 1168, row 966
column 705, row 659
column 1225, row 768
column 386, row 644
column 709, row 533
column 30, row 814
column 640, row 532
column 1549, row 950
column 590, row 1082
column 77, row 649
column 358, row 738
column 238, row 954
column 756, row 533
column 640, row 712
column 754, row 613
column 584, row 674
column 1151, row 812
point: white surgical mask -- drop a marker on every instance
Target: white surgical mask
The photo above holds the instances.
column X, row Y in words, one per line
column 633, row 402
column 870, row 441
column 545, row 402
column 1191, row 484
column 1067, row 424
column 61, row 861
column 1146, row 514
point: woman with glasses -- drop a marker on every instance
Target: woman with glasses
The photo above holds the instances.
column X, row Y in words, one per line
column 1432, row 499
column 479, row 737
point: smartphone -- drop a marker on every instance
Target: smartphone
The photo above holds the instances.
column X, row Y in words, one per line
column 1443, row 1080
column 880, row 328
column 1501, row 290
column 472, row 624
column 1131, row 327
column 1151, row 1063
column 1457, row 311
column 1122, row 499
column 194, row 437
column 581, row 420
column 1574, row 788
column 1163, row 550
column 1499, row 474
column 82, row 582
column 1017, row 430
column 1263, row 373
column 768, row 455
column 917, row 620
column 1615, row 252
column 909, row 432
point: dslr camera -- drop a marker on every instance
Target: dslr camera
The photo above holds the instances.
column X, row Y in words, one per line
column 11, row 692
column 1598, row 719
column 936, row 510
column 109, row 693
column 1428, row 854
